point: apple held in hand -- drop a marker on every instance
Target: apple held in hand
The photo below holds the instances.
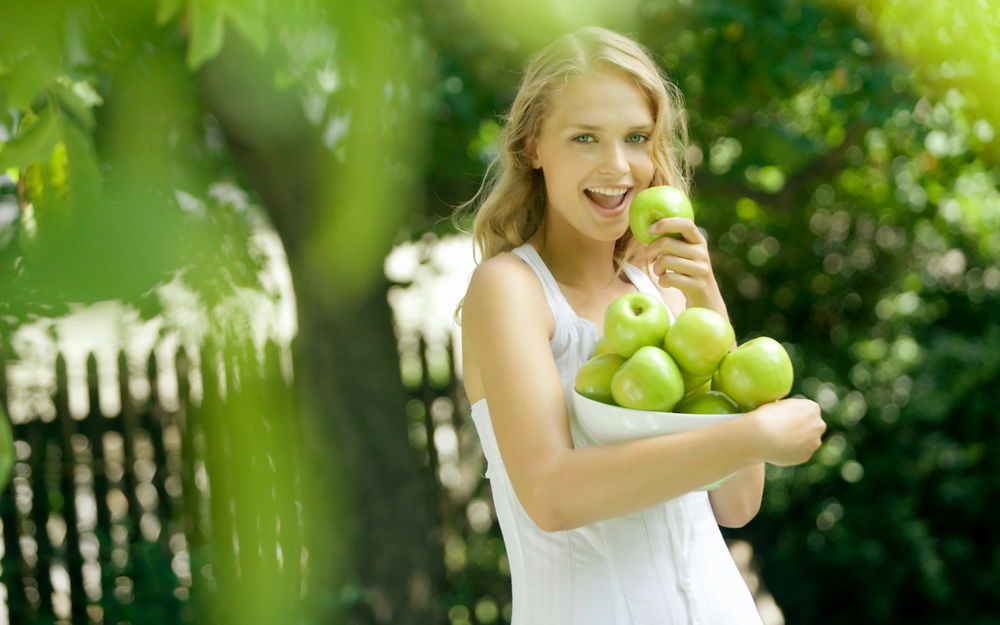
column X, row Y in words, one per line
column 698, row 340
column 635, row 320
column 755, row 373
column 593, row 380
column 709, row 402
column 654, row 204
column 649, row 380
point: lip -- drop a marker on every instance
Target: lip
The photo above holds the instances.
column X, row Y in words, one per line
column 611, row 212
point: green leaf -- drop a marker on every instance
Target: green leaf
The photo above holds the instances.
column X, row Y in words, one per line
column 31, row 50
column 7, row 455
column 207, row 31
column 76, row 99
column 166, row 10
column 34, row 142
column 250, row 17
column 28, row 77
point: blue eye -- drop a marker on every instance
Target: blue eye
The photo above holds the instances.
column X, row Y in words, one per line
column 583, row 139
column 637, row 138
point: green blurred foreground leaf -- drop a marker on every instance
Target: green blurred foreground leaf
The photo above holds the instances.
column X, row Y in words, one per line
column 35, row 140
column 7, row 452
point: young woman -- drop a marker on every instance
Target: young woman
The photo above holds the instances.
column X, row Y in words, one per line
column 601, row 534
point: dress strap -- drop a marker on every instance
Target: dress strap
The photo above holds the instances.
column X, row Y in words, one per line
column 641, row 280
column 553, row 294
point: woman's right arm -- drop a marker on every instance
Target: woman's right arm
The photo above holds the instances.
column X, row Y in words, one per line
column 507, row 325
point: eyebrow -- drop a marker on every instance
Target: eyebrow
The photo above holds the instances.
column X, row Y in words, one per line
column 595, row 128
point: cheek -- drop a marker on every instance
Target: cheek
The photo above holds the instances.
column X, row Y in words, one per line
column 564, row 168
column 648, row 165
column 561, row 181
column 642, row 167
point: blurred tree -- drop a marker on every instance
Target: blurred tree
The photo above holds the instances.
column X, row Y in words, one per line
column 117, row 122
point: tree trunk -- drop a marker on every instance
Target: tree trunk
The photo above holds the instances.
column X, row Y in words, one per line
column 350, row 363
column 347, row 371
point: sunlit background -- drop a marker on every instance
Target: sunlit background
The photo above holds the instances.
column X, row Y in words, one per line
column 231, row 384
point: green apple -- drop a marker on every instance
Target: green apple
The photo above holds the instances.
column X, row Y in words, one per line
column 635, row 320
column 593, row 380
column 602, row 347
column 698, row 340
column 654, row 204
column 708, row 402
column 755, row 373
column 694, row 384
column 649, row 380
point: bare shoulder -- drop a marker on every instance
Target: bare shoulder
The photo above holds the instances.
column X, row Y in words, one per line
column 504, row 304
column 499, row 273
column 505, row 286
column 504, row 283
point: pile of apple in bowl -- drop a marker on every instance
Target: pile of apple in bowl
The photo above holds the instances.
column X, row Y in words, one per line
column 649, row 377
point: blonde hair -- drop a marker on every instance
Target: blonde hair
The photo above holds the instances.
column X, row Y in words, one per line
column 510, row 204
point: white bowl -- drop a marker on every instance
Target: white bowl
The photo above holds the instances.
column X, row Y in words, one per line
column 605, row 423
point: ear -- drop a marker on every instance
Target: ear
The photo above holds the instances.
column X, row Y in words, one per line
column 531, row 152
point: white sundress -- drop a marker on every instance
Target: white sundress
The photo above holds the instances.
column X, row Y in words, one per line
column 665, row 565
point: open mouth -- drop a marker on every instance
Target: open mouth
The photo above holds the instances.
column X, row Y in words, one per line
column 608, row 198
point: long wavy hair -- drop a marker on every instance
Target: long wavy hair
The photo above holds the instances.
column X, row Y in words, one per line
column 510, row 204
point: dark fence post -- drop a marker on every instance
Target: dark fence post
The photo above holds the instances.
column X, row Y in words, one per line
column 96, row 427
column 14, row 569
column 127, row 424
column 67, row 488
column 242, row 527
column 153, row 419
column 193, row 508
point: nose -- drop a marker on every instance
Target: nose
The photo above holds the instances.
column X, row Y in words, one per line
column 614, row 161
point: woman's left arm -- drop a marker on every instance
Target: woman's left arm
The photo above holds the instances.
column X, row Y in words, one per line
column 736, row 501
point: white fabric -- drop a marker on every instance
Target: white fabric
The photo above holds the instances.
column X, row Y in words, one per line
column 665, row 565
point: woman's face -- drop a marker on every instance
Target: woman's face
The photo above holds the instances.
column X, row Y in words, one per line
column 595, row 154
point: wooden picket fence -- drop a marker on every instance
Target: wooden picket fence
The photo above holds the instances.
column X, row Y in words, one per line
column 129, row 518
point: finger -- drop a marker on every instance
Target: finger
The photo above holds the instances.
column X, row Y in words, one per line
column 694, row 259
column 682, row 226
column 684, row 283
column 677, row 247
column 684, row 266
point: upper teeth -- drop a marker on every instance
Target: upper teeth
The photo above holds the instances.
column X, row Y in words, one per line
column 607, row 191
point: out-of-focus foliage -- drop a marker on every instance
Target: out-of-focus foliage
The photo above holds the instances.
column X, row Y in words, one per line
column 950, row 44
column 114, row 161
column 7, row 453
column 846, row 172
column 144, row 143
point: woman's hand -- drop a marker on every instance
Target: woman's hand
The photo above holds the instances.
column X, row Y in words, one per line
column 790, row 430
column 684, row 263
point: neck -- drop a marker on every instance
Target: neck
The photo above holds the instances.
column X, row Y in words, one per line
column 574, row 260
